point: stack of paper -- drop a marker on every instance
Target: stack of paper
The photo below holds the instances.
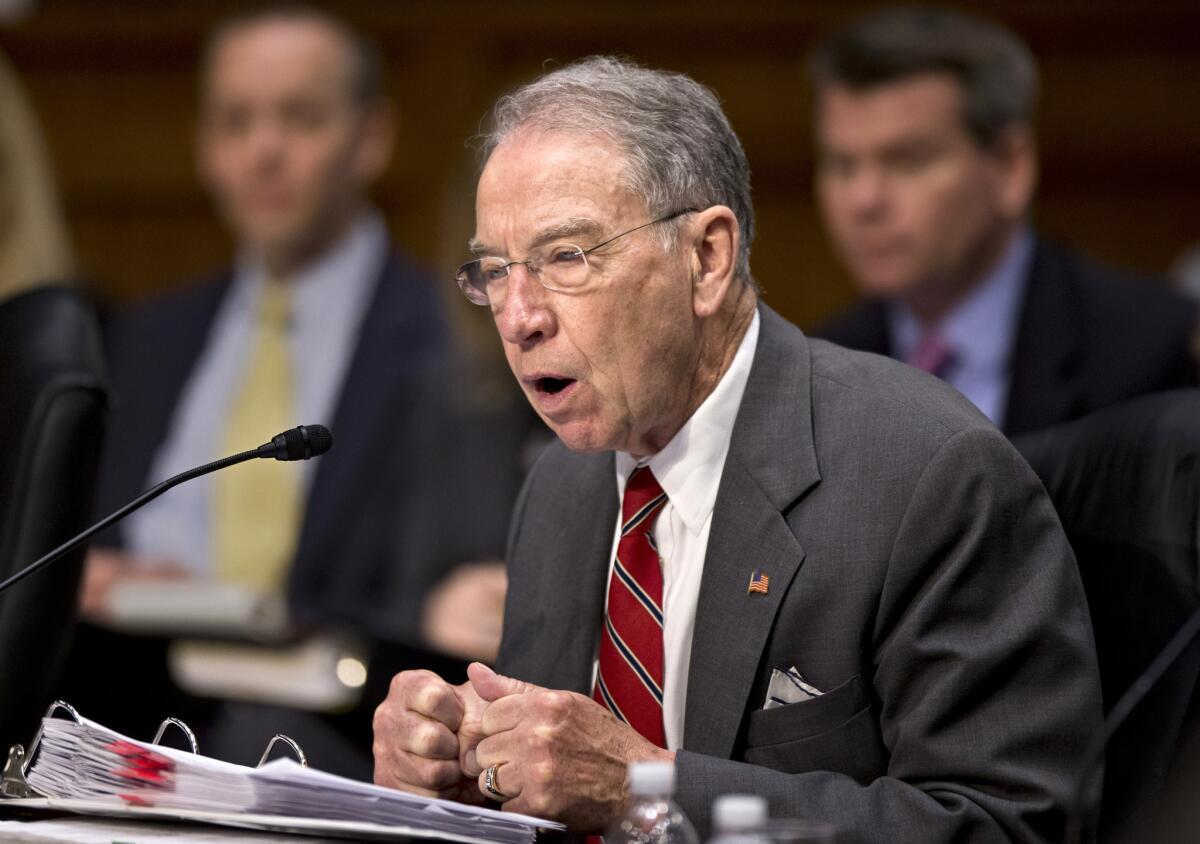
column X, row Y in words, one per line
column 87, row 761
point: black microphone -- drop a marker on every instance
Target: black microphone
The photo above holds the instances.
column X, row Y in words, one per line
column 297, row 444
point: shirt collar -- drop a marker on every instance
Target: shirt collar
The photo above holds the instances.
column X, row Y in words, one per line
column 355, row 256
column 979, row 328
column 689, row 467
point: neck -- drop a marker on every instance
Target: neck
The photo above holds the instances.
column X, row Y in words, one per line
column 932, row 301
column 719, row 338
column 285, row 260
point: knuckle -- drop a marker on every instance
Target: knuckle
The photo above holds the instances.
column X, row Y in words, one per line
column 436, row 773
column 541, row 774
column 558, row 703
column 425, row 739
column 539, row 802
column 383, row 718
column 431, row 696
column 407, row 680
column 541, row 738
column 546, row 704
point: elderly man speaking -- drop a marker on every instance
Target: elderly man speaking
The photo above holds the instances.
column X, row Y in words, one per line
column 791, row 569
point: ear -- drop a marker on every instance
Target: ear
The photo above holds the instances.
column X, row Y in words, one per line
column 1015, row 154
column 378, row 136
column 714, row 258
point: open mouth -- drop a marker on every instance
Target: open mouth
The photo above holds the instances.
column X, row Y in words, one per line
column 552, row 386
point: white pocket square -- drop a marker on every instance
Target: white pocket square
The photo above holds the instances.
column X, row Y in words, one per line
column 789, row 687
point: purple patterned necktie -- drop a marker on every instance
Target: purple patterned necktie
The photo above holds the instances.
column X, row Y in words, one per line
column 932, row 354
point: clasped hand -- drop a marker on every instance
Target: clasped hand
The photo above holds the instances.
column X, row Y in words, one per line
column 559, row 755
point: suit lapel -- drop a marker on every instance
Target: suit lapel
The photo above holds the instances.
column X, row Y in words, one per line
column 156, row 353
column 574, row 580
column 1050, row 350
column 876, row 333
column 402, row 333
column 771, row 464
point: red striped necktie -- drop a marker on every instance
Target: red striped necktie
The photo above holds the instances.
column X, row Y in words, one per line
column 630, row 679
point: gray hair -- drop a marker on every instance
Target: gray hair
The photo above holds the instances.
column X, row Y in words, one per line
column 995, row 69
column 681, row 150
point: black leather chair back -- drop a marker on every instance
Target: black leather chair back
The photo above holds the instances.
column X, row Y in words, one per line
column 53, row 406
column 1126, row 483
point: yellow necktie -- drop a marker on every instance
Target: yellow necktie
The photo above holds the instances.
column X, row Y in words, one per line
column 256, row 505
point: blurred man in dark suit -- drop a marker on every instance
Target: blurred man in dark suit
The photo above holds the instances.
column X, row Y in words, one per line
column 317, row 321
column 927, row 165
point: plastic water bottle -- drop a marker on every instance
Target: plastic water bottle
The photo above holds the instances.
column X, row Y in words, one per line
column 739, row 819
column 653, row 817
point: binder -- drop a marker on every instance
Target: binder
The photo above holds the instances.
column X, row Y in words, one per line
column 78, row 766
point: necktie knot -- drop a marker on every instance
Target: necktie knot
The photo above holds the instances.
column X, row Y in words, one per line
column 933, row 354
column 643, row 500
column 274, row 310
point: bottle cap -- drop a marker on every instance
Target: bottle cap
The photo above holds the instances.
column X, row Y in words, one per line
column 651, row 778
column 739, row 811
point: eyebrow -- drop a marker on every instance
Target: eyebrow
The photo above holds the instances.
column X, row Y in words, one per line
column 572, row 227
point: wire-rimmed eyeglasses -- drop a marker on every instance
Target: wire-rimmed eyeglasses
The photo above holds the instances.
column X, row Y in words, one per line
column 556, row 266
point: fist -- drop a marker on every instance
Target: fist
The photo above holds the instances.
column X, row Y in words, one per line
column 558, row 754
column 424, row 731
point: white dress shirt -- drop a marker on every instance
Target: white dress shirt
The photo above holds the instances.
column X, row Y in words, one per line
column 689, row 471
column 330, row 299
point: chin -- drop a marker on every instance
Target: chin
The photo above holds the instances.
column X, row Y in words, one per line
column 885, row 283
column 582, row 438
column 270, row 231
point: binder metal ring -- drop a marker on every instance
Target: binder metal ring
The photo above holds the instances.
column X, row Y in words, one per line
column 290, row 742
column 13, row 782
column 37, row 737
column 184, row 728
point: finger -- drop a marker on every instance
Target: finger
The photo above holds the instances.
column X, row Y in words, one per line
column 492, row 686
column 506, row 780
column 504, row 715
column 411, row 773
column 427, row 738
column 496, row 750
column 409, row 788
column 473, row 706
column 399, row 730
column 437, row 774
column 469, row 763
column 436, row 699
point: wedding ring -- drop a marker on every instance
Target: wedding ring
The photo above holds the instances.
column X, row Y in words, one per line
column 491, row 784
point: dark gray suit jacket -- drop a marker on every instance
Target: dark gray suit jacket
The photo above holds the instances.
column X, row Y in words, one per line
column 918, row 575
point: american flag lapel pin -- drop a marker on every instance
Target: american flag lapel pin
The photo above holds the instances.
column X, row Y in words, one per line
column 759, row 582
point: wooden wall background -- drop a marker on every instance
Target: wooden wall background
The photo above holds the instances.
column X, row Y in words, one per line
column 114, row 85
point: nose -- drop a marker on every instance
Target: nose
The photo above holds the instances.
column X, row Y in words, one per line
column 266, row 141
column 867, row 192
column 525, row 317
